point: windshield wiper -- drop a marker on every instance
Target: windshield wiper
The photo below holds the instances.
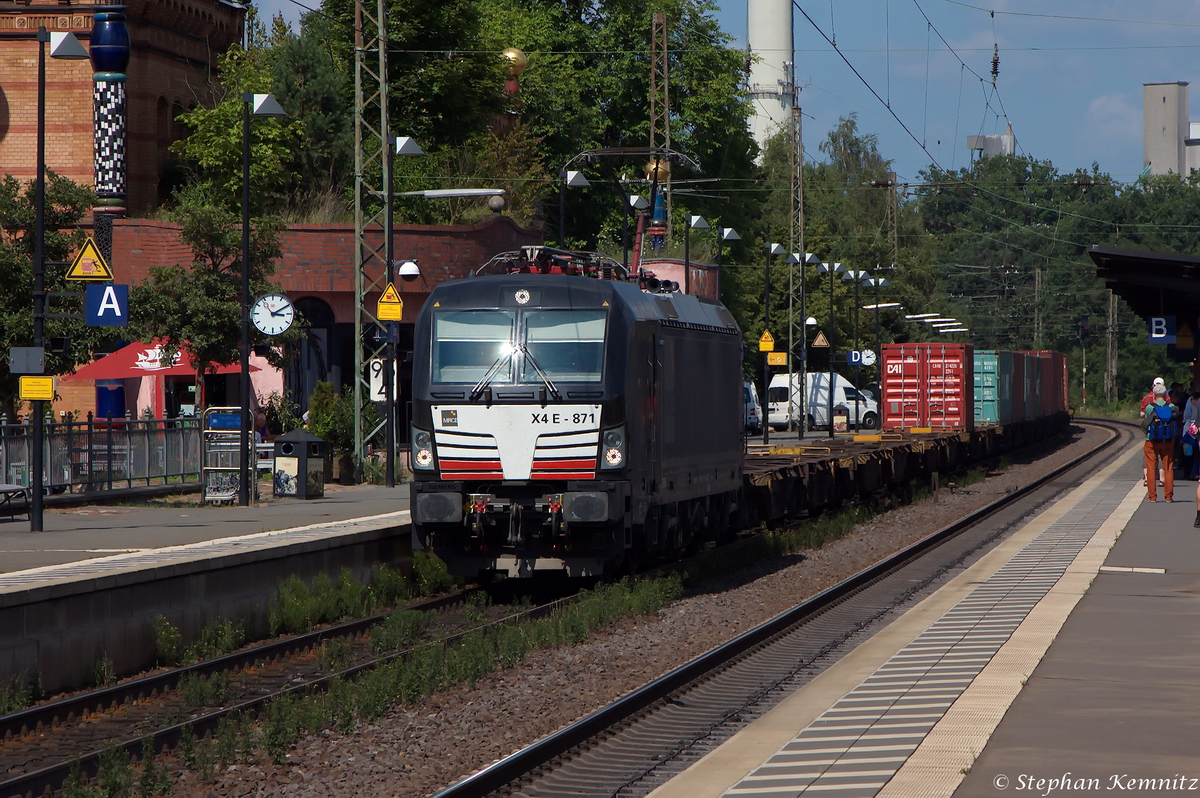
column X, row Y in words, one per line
column 541, row 373
column 482, row 385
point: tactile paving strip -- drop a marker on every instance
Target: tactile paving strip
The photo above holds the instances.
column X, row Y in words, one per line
column 855, row 747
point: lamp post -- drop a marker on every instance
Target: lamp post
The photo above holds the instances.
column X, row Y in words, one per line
column 831, row 269
column 572, row 179
column 877, row 283
column 726, row 234
column 694, row 223
column 63, row 46
column 638, row 203
column 259, row 105
column 809, row 260
column 772, row 249
column 859, row 277
column 405, row 146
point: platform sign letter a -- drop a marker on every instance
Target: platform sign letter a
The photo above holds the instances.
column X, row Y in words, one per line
column 1162, row 329
column 107, row 305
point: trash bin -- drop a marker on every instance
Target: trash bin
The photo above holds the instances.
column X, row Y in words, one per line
column 841, row 418
column 300, row 465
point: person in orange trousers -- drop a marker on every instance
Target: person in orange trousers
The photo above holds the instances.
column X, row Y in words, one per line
column 1157, row 450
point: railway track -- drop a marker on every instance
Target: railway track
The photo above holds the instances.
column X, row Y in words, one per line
column 157, row 704
column 623, row 749
column 152, row 705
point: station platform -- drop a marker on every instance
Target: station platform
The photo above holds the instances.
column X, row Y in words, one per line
column 90, row 585
column 1067, row 659
column 73, row 534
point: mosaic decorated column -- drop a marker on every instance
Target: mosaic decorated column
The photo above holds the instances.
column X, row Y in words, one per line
column 110, row 58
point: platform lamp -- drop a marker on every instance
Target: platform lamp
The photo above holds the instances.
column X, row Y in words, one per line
column 567, row 179
column 258, row 105
column 726, row 234
column 831, row 269
column 772, row 249
column 63, row 46
column 404, row 146
column 694, row 223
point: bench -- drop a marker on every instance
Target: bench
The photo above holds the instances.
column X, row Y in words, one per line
column 8, row 492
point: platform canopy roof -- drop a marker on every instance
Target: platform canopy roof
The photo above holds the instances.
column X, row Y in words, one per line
column 143, row 360
column 1151, row 283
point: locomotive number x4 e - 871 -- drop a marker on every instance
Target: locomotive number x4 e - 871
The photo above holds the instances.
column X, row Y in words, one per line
column 568, row 423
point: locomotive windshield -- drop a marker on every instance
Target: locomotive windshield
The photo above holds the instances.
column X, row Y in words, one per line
column 469, row 342
column 482, row 346
column 567, row 344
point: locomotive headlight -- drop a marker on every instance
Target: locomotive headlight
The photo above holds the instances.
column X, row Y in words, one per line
column 612, row 447
column 422, row 449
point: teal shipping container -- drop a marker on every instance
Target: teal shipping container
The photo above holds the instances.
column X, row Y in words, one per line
column 993, row 386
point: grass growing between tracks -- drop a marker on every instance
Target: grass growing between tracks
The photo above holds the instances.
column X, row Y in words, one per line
column 299, row 608
column 421, row 669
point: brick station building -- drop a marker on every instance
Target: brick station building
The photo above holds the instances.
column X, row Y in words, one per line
column 316, row 271
column 173, row 49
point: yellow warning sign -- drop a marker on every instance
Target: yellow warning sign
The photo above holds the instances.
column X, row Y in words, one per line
column 37, row 389
column 89, row 264
column 390, row 306
column 777, row 358
column 766, row 343
column 1183, row 337
column 821, row 340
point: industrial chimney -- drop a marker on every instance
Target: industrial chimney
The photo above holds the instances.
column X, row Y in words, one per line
column 772, row 88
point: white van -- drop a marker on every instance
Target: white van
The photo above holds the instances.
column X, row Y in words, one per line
column 753, row 409
column 862, row 409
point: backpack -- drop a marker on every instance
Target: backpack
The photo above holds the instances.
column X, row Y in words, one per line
column 1162, row 425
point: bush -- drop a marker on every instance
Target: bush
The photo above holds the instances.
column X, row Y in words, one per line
column 331, row 417
column 168, row 641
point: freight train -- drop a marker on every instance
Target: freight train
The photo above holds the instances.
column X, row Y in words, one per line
column 571, row 423
column 934, row 386
column 570, row 417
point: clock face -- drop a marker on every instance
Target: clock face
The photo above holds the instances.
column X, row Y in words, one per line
column 272, row 314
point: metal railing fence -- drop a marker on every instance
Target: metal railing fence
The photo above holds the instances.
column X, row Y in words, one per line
column 103, row 454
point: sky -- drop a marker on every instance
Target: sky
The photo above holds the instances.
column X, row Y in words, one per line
column 1070, row 73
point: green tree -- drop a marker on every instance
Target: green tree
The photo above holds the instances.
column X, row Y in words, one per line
column 66, row 203
column 213, row 148
column 197, row 308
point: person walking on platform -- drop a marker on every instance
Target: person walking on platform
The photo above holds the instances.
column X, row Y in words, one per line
column 1147, row 399
column 1162, row 428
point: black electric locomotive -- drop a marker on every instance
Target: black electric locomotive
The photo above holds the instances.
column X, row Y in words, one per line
column 567, row 422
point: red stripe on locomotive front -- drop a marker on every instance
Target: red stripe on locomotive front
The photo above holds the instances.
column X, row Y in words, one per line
column 571, row 465
column 470, row 465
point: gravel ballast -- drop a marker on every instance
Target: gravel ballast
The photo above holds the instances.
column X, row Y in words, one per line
column 420, row 749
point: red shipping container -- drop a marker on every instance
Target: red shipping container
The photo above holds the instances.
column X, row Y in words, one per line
column 902, row 386
column 1018, row 386
column 928, row 385
column 1064, row 399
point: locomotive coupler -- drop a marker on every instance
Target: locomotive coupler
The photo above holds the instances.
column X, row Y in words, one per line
column 477, row 505
column 554, row 508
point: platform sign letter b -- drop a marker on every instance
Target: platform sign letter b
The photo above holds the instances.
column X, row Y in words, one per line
column 1162, row 329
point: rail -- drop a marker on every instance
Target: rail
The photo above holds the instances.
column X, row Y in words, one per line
column 103, row 454
column 505, row 772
